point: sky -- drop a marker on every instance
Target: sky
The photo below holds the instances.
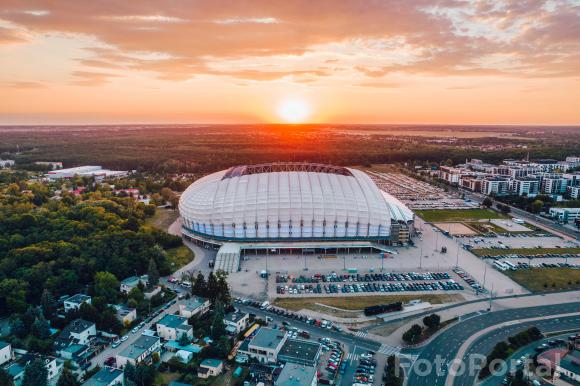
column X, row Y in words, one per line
column 271, row 61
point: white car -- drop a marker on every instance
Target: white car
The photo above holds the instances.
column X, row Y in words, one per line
column 124, row 338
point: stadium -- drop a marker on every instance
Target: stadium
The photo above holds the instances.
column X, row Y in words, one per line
column 291, row 208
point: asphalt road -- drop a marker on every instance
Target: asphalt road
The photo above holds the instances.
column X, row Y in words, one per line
column 528, row 351
column 445, row 346
column 486, row 343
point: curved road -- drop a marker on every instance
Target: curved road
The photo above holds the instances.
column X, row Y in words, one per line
column 445, row 346
column 485, row 344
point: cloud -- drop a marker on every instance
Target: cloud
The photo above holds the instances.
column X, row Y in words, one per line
column 10, row 36
column 378, row 84
column 88, row 78
column 24, row 85
column 254, row 20
column 516, row 38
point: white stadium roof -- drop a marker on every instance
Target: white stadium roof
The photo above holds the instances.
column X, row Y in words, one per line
column 289, row 201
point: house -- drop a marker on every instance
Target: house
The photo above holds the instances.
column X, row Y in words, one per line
column 107, row 376
column 265, row 345
column 53, row 367
column 126, row 315
column 184, row 356
column 297, row 375
column 299, row 351
column 138, row 351
column 6, row 354
column 193, row 306
column 210, row 368
column 171, row 327
column 75, row 302
column 131, row 282
column 149, row 293
column 568, row 370
column 236, row 322
column 77, row 332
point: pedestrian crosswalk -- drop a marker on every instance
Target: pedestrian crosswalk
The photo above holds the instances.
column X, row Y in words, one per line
column 389, row 350
column 352, row 356
column 361, row 334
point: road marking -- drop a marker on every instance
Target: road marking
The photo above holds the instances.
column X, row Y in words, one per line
column 361, row 334
column 389, row 350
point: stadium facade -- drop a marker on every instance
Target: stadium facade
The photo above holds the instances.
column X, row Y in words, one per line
column 292, row 206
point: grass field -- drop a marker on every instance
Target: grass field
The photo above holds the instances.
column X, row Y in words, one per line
column 547, row 279
column 163, row 218
column 358, row 303
column 433, row 215
column 179, row 256
column 523, row 251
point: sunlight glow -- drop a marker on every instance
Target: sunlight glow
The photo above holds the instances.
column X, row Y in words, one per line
column 294, row 111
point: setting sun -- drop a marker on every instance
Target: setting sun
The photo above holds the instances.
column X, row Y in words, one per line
column 293, row 111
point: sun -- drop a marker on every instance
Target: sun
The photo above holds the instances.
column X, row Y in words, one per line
column 293, row 111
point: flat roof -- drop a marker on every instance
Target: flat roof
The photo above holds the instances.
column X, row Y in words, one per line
column 296, row 375
column 142, row 344
column 210, row 362
column 268, row 338
column 78, row 298
column 172, row 321
column 299, row 349
column 104, row 377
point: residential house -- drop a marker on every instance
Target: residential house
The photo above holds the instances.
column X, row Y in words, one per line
column 171, row 327
column 297, row 375
column 77, row 332
column 210, row 368
column 6, row 354
column 75, row 302
column 193, row 306
column 236, row 321
column 131, row 282
column 265, row 345
column 139, row 351
column 107, row 376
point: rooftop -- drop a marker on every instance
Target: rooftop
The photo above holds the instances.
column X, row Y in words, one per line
column 296, row 375
column 211, row 363
column 246, row 170
column 193, row 303
column 268, row 338
column 104, row 377
column 235, row 317
column 172, row 321
column 78, row 298
column 3, row 344
column 142, row 344
column 571, row 362
column 299, row 351
column 134, row 280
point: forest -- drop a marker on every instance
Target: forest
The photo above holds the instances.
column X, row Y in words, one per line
column 192, row 148
column 59, row 245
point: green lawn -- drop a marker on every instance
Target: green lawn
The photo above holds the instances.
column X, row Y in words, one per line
column 547, row 279
column 434, row 215
column 180, row 256
column 523, row 251
column 163, row 218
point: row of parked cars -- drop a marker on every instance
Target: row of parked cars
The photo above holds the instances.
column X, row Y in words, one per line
column 470, row 280
column 365, row 371
column 298, row 289
column 333, row 364
column 367, row 277
column 531, row 256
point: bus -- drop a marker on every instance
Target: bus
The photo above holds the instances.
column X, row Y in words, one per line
column 501, row 266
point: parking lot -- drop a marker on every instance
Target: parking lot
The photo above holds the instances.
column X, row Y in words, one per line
column 365, row 283
column 418, row 194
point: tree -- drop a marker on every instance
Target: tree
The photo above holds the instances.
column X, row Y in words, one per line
column 184, row 340
column 199, row 287
column 218, row 328
column 47, row 303
column 412, row 335
column 152, row 273
column 40, row 328
column 432, row 321
column 107, row 286
column 67, row 378
column 35, row 374
column 487, row 202
column 537, row 206
column 5, row 378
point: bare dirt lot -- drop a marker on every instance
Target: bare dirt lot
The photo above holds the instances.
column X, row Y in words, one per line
column 455, row 228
